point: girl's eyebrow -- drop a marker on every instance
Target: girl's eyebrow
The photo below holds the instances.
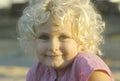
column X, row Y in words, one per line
column 43, row 33
column 56, row 33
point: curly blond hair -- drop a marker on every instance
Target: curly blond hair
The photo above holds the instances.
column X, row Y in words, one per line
column 82, row 13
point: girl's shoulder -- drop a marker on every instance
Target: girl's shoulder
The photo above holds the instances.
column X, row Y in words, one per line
column 31, row 72
column 34, row 71
column 87, row 63
column 90, row 60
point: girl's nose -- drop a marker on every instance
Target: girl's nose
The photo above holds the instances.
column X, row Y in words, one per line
column 54, row 45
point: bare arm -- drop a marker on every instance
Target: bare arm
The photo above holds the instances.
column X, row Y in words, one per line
column 99, row 76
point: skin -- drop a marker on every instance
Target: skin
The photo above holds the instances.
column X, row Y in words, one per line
column 99, row 76
column 55, row 45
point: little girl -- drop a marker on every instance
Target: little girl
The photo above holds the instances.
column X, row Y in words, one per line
column 65, row 35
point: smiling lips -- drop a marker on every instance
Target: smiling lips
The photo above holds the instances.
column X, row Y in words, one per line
column 53, row 55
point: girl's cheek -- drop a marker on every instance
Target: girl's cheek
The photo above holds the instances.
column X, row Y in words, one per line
column 39, row 46
column 65, row 47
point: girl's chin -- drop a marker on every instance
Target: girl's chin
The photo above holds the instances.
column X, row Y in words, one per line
column 55, row 65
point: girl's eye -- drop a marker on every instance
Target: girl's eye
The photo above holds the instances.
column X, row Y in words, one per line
column 44, row 37
column 63, row 37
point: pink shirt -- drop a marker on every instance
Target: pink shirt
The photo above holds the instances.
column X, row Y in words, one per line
column 80, row 70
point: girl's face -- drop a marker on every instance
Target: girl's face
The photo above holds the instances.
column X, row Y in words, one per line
column 55, row 45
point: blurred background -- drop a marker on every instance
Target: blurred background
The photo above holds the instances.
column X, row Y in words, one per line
column 14, row 64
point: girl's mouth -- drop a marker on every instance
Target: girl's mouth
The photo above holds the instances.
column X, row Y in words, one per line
column 52, row 55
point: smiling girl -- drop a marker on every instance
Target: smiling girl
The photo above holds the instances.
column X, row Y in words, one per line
column 65, row 35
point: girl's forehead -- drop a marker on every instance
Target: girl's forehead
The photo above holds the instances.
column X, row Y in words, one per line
column 53, row 25
column 49, row 28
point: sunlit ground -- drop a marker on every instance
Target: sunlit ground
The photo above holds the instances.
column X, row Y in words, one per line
column 12, row 73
